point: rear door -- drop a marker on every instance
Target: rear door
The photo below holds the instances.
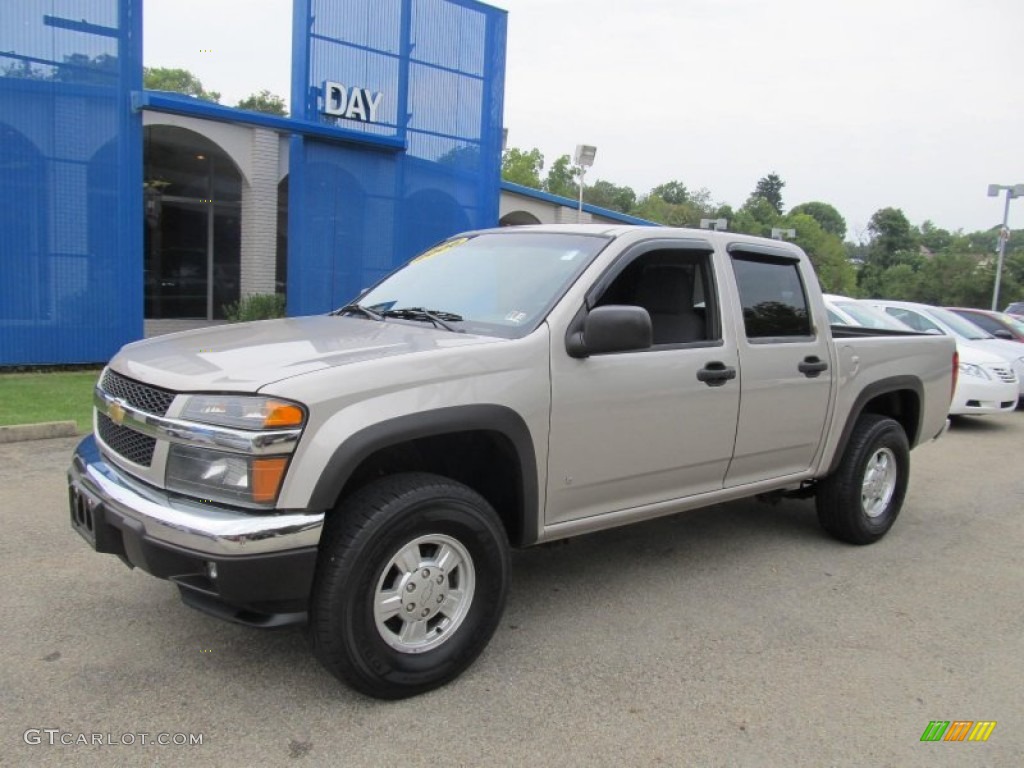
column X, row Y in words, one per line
column 786, row 368
column 635, row 428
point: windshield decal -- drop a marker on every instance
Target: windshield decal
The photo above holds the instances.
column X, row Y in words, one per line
column 440, row 249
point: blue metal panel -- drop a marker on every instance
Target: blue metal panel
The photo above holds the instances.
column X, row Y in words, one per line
column 70, row 180
column 355, row 215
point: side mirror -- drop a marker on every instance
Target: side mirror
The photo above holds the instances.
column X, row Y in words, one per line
column 1002, row 333
column 612, row 328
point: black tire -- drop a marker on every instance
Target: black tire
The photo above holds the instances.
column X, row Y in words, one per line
column 840, row 497
column 363, row 536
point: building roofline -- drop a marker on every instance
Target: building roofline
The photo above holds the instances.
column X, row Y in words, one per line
column 566, row 202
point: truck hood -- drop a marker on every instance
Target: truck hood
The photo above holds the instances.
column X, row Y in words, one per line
column 246, row 356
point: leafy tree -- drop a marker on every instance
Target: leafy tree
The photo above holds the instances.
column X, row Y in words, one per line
column 521, row 167
column 826, row 215
column 769, row 188
column 756, row 217
column 825, row 250
column 264, row 101
column 954, row 279
column 608, row 195
column 933, row 238
column 655, row 208
column 899, row 283
column 178, row 81
column 892, row 238
column 673, row 192
column 561, row 178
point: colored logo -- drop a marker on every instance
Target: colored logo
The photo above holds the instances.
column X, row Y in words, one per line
column 116, row 413
column 958, row 730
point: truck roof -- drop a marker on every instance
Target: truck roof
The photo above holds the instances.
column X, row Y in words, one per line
column 619, row 230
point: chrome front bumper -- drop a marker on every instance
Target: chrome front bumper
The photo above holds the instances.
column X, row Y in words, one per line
column 203, row 528
column 254, row 569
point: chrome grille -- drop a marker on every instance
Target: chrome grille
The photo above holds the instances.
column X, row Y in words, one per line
column 142, row 396
column 125, row 442
column 1004, row 374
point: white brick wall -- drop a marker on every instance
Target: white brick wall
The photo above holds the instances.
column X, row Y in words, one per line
column 259, row 214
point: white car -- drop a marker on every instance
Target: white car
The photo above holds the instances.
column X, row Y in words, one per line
column 990, row 382
column 846, row 311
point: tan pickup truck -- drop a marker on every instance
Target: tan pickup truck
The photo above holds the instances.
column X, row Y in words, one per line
column 367, row 471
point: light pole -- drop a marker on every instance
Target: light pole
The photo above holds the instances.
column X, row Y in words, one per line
column 1012, row 191
column 585, row 154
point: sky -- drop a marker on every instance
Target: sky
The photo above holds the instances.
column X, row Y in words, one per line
column 862, row 104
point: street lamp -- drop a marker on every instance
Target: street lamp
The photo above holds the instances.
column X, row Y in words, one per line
column 585, row 154
column 1012, row 191
column 782, row 234
column 716, row 225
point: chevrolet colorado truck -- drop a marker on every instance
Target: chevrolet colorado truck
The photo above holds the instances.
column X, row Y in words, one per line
column 366, row 472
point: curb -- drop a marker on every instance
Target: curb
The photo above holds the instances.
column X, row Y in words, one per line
column 19, row 432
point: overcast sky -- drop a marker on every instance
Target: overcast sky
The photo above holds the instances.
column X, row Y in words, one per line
column 860, row 103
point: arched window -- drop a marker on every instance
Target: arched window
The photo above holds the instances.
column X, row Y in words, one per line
column 193, row 195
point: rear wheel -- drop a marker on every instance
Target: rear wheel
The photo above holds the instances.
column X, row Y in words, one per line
column 410, row 584
column 860, row 501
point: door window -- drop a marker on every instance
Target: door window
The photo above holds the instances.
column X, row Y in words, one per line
column 674, row 286
column 773, row 298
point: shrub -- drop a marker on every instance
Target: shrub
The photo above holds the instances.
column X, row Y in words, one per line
column 256, row 306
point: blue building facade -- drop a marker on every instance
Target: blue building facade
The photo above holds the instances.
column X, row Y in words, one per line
column 395, row 143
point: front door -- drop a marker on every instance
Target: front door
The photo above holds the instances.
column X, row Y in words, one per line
column 636, row 428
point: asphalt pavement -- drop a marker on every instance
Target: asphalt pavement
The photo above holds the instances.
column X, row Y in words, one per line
column 738, row 635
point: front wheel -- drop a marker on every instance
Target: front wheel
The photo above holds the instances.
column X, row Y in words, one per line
column 859, row 502
column 410, row 584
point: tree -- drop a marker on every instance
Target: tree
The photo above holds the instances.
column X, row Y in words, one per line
column 673, row 192
column 825, row 250
column 826, row 215
column 654, row 208
column 521, row 167
column 265, row 102
column 892, row 238
column 611, row 196
column 561, row 179
column 178, row 81
column 769, row 188
column 756, row 217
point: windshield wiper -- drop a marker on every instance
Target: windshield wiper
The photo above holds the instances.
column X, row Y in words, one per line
column 436, row 317
column 359, row 309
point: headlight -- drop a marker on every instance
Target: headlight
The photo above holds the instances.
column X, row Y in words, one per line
column 245, row 478
column 243, row 412
column 968, row 369
column 229, row 477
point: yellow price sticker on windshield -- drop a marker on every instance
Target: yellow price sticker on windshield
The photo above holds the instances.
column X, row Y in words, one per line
column 440, row 248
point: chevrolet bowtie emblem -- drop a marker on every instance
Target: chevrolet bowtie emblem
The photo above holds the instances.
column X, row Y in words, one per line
column 116, row 413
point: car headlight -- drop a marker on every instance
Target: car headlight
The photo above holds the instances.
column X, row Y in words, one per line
column 248, row 481
column 969, row 369
column 243, row 411
column 241, row 478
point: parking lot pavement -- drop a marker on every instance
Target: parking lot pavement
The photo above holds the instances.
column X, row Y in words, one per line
column 733, row 636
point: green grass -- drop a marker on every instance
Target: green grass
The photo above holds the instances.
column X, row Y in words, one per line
column 31, row 398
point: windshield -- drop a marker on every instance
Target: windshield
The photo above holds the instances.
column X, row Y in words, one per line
column 1013, row 322
column 965, row 329
column 497, row 284
column 869, row 317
